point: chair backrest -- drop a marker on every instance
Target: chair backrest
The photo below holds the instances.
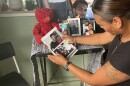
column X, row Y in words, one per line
column 7, row 52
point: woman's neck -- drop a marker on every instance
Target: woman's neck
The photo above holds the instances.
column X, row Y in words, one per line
column 126, row 32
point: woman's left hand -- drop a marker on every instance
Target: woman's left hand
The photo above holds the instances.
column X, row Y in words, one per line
column 58, row 59
column 70, row 39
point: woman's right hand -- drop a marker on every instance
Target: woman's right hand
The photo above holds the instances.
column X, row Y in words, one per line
column 70, row 39
column 58, row 59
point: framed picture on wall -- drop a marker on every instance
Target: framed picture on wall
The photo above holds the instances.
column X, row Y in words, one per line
column 74, row 26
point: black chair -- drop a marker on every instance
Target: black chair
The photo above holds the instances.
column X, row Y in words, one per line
column 103, row 58
column 13, row 78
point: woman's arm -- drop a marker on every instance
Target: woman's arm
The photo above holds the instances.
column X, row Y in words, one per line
column 106, row 75
column 94, row 39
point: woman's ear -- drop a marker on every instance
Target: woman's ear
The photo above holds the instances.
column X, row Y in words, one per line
column 117, row 22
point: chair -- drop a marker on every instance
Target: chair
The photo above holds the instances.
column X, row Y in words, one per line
column 103, row 58
column 13, row 78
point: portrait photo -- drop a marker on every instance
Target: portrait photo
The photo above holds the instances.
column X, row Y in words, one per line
column 52, row 39
column 88, row 26
column 74, row 26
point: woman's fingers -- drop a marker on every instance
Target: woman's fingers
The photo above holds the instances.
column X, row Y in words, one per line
column 58, row 59
column 68, row 38
column 51, row 58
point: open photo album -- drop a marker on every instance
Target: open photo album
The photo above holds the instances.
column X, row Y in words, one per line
column 53, row 40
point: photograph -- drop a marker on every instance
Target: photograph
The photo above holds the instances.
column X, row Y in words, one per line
column 74, row 25
column 52, row 39
column 88, row 27
column 65, row 28
column 66, row 49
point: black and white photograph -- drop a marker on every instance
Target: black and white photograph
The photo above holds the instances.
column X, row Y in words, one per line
column 74, row 25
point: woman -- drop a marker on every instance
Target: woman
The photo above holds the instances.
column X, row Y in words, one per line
column 114, row 17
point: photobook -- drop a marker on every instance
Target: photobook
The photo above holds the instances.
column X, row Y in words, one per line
column 53, row 40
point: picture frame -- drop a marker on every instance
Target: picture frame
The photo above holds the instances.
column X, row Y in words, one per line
column 87, row 25
column 74, row 26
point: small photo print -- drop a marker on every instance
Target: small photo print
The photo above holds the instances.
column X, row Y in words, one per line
column 52, row 39
column 88, row 26
column 74, row 25
column 64, row 28
column 66, row 49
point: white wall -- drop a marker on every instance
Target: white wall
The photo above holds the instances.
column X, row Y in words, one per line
column 90, row 1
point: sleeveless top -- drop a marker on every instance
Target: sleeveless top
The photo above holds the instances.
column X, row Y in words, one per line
column 119, row 58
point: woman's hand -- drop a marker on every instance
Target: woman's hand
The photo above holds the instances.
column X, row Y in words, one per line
column 70, row 39
column 58, row 59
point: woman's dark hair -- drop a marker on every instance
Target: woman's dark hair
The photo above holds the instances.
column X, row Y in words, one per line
column 108, row 9
column 52, row 34
column 79, row 1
